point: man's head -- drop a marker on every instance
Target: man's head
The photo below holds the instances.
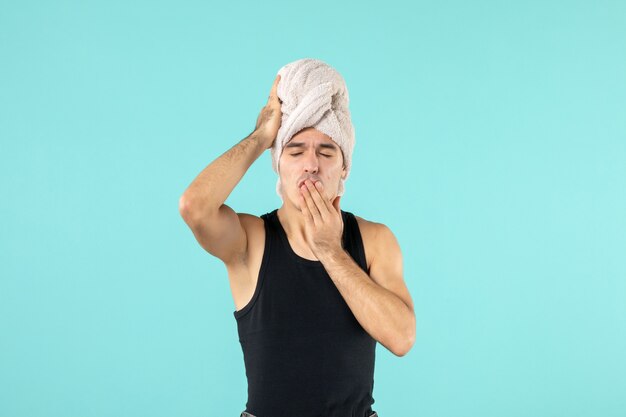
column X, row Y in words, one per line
column 310, row 154
column 314, row 101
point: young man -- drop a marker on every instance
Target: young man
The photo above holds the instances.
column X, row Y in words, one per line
column 314, row 287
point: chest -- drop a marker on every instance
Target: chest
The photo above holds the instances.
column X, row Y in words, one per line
column 243, row 279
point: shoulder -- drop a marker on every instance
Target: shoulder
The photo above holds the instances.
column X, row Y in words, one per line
column 378, row 239
column 375, row 231
column 250, row 220
column 387, row 264
column 367, row 228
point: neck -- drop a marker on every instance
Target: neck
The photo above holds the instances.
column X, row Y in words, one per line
column 292, row 220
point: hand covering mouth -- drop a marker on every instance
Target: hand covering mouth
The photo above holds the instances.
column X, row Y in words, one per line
column 313, row 180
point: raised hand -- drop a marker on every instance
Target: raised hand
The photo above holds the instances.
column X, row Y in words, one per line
column 323, row 222
column 269, row 119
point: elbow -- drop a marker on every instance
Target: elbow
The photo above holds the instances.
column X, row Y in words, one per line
column 404, row 348
column 183, row 207
column 406, row 342
column 187, row 210
column 195, row 213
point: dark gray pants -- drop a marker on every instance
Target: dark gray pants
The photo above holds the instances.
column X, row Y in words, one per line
column 244, row 414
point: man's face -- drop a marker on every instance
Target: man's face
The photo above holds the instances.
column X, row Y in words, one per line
column 310, row 154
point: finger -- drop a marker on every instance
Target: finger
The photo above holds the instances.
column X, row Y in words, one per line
column 274, row 90
column 308, row 217
column 276, row 81
column 322, row 192
column 306, row 193
column 305, row 210
column 311, row 204
column 318, row 199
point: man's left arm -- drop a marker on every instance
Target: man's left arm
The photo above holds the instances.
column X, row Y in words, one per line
column 381, row 301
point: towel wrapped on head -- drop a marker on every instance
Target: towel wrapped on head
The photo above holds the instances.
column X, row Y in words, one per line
column 313, row 94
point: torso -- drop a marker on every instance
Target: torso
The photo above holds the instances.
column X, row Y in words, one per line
column 244, row 275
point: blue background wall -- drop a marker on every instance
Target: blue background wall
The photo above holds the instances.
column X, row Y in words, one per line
column 491, row 139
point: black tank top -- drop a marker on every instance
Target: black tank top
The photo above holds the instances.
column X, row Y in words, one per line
column 305, row 353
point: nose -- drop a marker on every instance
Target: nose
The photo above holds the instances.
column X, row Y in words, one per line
column 311, row 162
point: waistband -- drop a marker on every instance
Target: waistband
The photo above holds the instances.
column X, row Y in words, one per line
column 246, row 414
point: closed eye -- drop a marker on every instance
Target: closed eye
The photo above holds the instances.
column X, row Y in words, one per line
column 323, row 154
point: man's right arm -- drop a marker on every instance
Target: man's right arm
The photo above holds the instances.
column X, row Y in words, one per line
column 215, row 225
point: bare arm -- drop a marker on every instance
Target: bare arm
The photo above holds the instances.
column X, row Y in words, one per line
column 380, row 302
column 215, row 225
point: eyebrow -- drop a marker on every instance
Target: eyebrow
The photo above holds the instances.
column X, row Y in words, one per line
column 301, row 144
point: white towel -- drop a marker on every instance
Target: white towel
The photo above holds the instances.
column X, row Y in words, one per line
column 313, row 94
